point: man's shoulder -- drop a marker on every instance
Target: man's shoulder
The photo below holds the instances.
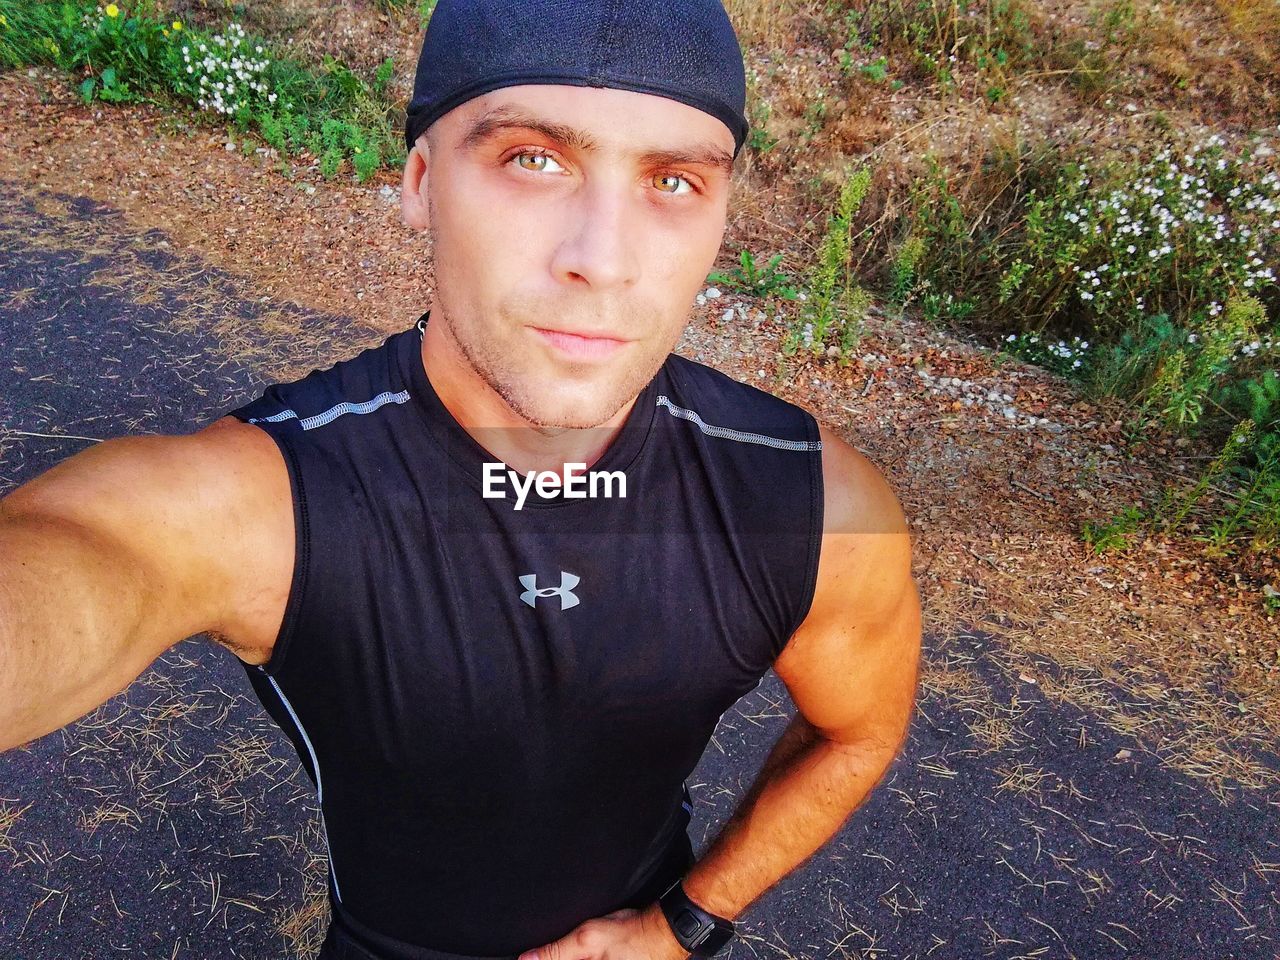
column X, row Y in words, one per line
column 701, row 388
column 701, row 376
column 864, row 569
column 363, row 379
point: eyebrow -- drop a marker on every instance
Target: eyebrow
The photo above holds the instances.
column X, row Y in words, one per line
column 499, row 119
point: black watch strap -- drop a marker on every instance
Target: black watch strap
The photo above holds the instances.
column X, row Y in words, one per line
column 700, row 932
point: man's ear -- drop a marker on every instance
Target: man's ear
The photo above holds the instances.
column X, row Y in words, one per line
column 413, row 186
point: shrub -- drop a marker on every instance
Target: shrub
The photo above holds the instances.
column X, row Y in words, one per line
column 138, row 54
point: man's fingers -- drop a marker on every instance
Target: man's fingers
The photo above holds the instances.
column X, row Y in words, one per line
column 568, row 947
column 582, row 943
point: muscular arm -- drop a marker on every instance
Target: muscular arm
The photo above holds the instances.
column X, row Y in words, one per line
column 111, row 557
column 851, row 669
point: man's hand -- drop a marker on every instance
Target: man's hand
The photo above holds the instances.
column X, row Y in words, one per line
column 626, row 934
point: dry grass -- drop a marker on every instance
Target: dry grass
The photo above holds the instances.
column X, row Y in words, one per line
column 771, row 25
column 1143, row 671
column 9, row 817
column 129, row 765
column 1254, row 24
column 270, row 338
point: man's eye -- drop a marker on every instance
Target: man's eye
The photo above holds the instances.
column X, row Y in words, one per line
column 537, row 167
column 674, row 177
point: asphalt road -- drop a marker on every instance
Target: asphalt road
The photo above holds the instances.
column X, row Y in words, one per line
column 175, row 821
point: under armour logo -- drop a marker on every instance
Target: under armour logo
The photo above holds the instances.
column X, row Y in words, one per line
column 565, row 591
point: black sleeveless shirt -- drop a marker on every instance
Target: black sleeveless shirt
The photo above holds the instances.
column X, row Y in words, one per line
column 499, row 707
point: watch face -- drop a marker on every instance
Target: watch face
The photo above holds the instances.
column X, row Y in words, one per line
column 688, row 925
column 699, row 933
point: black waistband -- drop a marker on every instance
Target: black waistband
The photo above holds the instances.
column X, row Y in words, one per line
column 344, row 942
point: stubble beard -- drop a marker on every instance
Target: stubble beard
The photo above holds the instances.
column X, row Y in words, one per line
column 518, row 393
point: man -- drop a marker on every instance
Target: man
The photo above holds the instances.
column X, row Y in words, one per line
column 499, row 686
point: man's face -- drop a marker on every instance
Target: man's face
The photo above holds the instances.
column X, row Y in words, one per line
column 557, row 210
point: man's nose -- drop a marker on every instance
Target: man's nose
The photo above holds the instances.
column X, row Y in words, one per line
column 600, row 248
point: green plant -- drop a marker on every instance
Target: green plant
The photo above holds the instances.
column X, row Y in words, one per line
column 1231, row 451
column 1116, row 534
column 1164, row 261
column 1117, row 21
column 994, row 35
column 1271, row 603
column 834, row 305
column 943, row 310
column 815, row 116
column 1186, row 379
column 904, row 269
column 758, row 113
column 876, row 70
column 1061, row 356
column 1177, row 235
column 759, row 138
column 1257, row 399
column 759, row 281
column 1257, row 498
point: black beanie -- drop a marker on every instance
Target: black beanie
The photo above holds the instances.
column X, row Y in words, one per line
column 685, row 50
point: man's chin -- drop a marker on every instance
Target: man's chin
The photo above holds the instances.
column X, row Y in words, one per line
column 571, row 411
column 574, row 418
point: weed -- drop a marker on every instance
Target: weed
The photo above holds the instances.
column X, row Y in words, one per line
column 1116, row 534
column 750, row 278
column 834, row 305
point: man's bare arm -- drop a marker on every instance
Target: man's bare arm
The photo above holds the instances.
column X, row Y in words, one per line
column 851, row 669
column 108, row 559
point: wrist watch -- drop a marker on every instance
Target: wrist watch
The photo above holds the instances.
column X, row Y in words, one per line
column 700, row 932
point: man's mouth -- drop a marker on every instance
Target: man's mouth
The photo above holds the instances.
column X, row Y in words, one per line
column 589, row 346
